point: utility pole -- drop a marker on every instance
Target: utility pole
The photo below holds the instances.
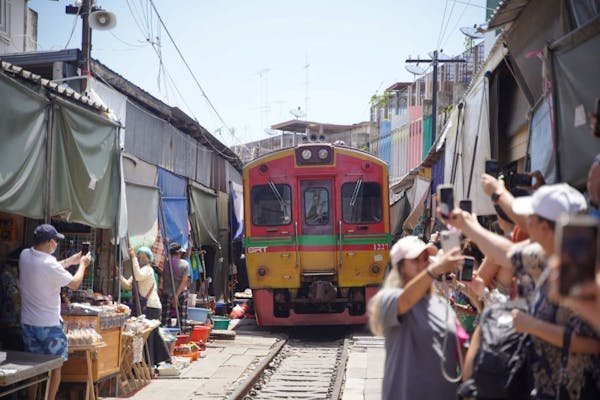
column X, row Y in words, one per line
column 434, row 61
column 87, row 6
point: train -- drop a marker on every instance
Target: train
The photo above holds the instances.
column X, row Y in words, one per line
column 317, row 233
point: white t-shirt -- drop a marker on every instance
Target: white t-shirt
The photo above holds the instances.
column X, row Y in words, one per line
column 40, row 280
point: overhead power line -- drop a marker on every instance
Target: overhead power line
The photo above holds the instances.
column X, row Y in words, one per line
column 191, row 72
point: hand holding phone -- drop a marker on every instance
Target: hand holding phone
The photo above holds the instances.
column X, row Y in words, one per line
column 466, row 273
column 445, row 195
column 577, row 240
column 492, row 168
column 449, row 240
column 85, row 248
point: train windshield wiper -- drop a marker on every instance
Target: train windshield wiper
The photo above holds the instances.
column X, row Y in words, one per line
column 279, row 199
column 355, row 192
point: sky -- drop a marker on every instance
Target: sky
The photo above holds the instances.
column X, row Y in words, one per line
column 250, row 56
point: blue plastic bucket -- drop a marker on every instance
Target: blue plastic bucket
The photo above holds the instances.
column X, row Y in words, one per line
column 198, row 314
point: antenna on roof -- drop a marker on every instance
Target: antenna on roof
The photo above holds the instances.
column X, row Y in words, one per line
column 473, row 32
column 298, row 113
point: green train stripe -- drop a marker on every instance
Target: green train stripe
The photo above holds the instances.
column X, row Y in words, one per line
column 318, row 240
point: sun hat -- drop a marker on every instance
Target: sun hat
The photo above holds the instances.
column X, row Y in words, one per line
column 409, row 247
column 551, row 202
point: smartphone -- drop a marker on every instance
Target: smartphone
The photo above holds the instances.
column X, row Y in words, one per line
column 466, row 273
column 445, row 195
column 492, row 168
column 466, row 205
column 85, row 248
column 577, row 242
column 521, row 180
column 449, row 240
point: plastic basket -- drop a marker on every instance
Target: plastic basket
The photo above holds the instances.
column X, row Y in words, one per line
column 220, row 323
column 200, row 333
column 198, row 314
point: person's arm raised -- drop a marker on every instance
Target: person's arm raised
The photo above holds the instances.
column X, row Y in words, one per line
column 491, row 244
column 416, row 288
column 78, row 277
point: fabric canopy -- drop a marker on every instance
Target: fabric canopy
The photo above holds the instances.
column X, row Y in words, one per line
column 174, row 202
column 85, row 182
column 23, row 116
column 576, row 87
column 237, row 223
column 142, row 201
column 203, row 214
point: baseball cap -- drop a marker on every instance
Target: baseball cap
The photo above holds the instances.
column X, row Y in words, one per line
column 408, row 248
column 175, row 248
column 45, row 232
column 551, row 202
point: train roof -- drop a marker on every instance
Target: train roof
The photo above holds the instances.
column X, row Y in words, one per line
column 284, row 151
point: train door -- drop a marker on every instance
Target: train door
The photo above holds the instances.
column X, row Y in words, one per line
column 317, row 240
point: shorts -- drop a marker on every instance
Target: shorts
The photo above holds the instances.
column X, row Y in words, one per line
column 46, row 340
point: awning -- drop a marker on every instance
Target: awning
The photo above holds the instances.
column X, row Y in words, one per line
column 506, row 12
column 174, row 202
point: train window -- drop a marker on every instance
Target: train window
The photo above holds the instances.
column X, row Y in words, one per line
column 316, row 206
column 271, row 204
column 361, row 202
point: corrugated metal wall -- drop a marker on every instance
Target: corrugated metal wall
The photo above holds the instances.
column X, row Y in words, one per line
column 158, row 142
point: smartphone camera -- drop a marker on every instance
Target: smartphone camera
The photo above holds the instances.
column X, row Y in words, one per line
column 577, row 239
column 492, row 168
column 449, row 240
column 445, row 195
column 85, row 248
column 466, row 273
column 466, row 205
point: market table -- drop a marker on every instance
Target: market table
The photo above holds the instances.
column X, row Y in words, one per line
column 20, row 366
column 134, row 375
column 90, row 351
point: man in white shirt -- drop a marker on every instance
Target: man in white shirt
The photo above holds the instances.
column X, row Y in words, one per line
column 40, row 278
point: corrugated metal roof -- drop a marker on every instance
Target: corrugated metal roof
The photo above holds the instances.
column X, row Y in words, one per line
column 507, row 11
column 60, row 89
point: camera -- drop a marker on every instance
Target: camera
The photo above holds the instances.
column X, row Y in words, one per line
column 466, row 205
column 449, row 240
column 492, row 168
column 577, row 242
column 85, row 248
column 445, row 195
column 520, row 180
column 466, row 273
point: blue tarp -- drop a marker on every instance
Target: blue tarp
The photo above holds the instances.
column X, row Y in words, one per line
column 174, row 197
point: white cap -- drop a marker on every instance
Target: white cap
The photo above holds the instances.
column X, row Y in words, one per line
column 408, row 248
column 551, row 202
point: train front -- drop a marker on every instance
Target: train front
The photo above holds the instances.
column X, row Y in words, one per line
column 317, row 234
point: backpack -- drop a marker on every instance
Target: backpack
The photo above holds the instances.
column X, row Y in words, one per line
column 500, row 364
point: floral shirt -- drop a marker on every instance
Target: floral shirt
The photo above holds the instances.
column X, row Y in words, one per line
column 529, row 262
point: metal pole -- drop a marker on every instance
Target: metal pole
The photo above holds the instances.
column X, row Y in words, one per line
column 163, row 228
column 86, row 40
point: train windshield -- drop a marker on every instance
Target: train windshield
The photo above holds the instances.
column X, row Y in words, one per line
column 271, row 204
column 361, row 202
column 316, row 206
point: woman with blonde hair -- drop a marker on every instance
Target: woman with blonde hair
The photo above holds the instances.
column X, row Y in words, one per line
column 418, row 323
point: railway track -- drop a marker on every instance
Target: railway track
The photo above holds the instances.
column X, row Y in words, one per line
column 298, row 369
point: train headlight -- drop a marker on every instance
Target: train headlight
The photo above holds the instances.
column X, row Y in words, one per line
column 306, row 154
column 323, row 153
column 262, row 271
column 375, row 269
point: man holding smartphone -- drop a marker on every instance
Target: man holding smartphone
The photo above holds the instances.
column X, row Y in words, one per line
column 40, row 280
